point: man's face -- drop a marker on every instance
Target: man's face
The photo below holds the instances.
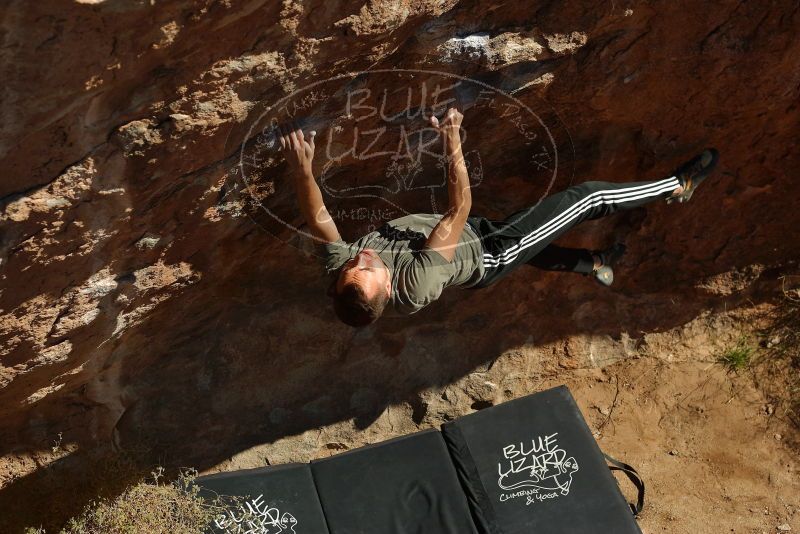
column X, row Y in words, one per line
column 368, row 271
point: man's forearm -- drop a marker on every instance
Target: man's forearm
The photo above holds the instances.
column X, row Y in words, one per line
column 458, row 190
column 445, row 236
column 309, row 197
column 312, row 207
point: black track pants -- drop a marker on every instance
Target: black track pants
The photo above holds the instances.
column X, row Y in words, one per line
column 526, row 236
column 571, row 260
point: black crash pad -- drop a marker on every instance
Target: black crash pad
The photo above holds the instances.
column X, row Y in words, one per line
column 532, row 465
column 273, row 500
column 406, row 485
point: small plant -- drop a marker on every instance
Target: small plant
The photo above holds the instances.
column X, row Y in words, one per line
column 738, row 356
column 56, row 448
column 154, row 506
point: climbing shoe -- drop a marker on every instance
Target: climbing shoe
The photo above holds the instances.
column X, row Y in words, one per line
column 693, row 172
column 608, row 257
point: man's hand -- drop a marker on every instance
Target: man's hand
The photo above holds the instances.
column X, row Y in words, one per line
column 451, row 123
column 299, row 152
column 298, row 149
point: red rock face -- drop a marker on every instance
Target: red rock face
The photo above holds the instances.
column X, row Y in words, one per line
column 149, row 299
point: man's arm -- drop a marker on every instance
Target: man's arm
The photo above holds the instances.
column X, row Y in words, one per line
column 300, row 155
column 445, row 236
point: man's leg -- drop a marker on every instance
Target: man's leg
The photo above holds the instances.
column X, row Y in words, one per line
column 555, row 258
column 523, row 235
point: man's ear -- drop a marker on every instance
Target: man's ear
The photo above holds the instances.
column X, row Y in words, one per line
column 388, row 287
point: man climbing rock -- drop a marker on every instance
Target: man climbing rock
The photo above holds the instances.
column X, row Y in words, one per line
column 407, row 262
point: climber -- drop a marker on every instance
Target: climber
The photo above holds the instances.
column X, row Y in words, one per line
column 407, row 262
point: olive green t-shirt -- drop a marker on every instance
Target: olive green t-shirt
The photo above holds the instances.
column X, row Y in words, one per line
column 418, row 274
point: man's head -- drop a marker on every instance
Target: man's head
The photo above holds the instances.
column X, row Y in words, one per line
column 362, row 289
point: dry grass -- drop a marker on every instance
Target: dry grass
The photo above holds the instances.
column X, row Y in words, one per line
column 152, row 506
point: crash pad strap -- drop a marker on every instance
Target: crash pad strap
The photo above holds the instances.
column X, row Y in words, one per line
column 634, row 477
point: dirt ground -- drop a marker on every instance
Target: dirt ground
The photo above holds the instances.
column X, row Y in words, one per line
column 715, row 446
column 715, row 454
column 705, row 441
